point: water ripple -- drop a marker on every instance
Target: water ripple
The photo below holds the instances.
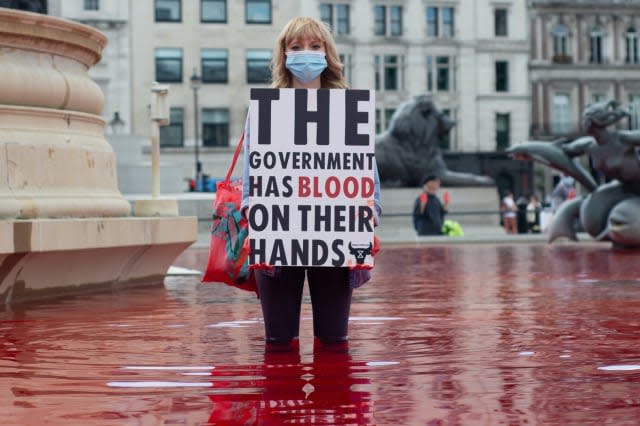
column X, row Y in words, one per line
column 474, row 334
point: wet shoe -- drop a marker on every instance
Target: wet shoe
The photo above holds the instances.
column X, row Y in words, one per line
column 274, row 344
column 331, row 344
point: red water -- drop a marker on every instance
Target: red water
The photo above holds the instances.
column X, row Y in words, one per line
column 448, row 335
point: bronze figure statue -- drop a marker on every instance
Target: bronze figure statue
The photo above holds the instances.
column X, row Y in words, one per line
column 610, row 212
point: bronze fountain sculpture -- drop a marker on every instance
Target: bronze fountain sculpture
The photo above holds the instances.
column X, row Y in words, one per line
column 611, row 211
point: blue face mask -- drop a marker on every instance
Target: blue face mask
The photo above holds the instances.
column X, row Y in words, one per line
column 306, row 65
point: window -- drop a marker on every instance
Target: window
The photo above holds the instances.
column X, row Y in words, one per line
column 387, row 72
column 258, row 11
column 560, row 114
column 502, row 76
column 326, row 14
column 346, row 70
column 632, row 46
column 342, row 24
column 597, row 97
column 500, row 22
column 391, row 28
column 560, row 41
column 91, row 4
column 214, row 65
column 388, row 113
column 215, row 127
column 440, row 73
column 447, row 22
column 395, row 17
column 344, row 19
column 213, row 11
column 432, row 22
column 595, row 46
column 168, row 65
column 502, row 131
column 440, row 22
column 443, row 79
column 380, row 124
column 258, row 66
column 380, row 20
column 391, row 72
column 173, row 134
column 168, row 10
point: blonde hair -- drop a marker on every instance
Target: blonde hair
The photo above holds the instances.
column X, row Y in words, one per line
column 306, row 28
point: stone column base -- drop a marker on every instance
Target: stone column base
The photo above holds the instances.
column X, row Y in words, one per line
column 45, row 258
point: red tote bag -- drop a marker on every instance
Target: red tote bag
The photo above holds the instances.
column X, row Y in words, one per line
column 228, row 254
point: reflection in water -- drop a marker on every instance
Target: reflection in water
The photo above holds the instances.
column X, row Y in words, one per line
column 328, row 390
column 475, row 334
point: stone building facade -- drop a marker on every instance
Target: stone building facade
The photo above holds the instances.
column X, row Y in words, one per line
column 113, row 72
column 582, row 51
column 472, row 57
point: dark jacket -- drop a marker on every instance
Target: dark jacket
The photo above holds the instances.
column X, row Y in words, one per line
column 430, row 221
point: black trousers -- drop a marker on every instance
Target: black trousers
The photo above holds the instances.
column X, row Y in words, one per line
column 281, row 300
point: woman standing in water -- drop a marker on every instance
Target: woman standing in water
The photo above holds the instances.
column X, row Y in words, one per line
column 305, row 57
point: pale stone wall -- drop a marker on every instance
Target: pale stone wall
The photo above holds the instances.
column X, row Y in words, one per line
column 113, row 72
column 54, row 160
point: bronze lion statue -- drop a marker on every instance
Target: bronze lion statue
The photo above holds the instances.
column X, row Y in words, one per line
column 410, row 148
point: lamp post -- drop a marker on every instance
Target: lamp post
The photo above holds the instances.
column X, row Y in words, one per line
column 196, row 83
column 159, row 117
column 116, row 123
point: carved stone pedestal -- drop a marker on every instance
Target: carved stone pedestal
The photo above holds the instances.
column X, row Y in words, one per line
column 63, row 222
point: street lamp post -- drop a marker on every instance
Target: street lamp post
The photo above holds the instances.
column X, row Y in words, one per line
column 116, row 123
column 196, row 83
column 159, row 117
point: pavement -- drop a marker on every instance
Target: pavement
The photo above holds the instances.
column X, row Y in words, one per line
column 398, row 230
column 480, row 227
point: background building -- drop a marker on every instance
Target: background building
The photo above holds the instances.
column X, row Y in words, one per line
column 226, row 46
column 113, row 72
column 471, row 56
column 477, row 73
column 582, row 51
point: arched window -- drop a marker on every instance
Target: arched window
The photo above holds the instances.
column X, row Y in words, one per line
column 560, row 35
column 595, row 45
column 560, row 114
column 632, row 46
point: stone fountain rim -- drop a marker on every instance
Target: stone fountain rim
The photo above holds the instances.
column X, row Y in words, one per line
column 25, row 26
column 51, row 113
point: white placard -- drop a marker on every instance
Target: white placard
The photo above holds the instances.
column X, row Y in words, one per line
column 312, row 178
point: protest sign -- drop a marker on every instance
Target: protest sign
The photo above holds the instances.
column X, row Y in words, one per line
column 311, row 177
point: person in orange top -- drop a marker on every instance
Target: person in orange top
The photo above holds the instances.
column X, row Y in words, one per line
column 428, row 210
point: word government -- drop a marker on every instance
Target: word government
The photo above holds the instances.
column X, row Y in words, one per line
column 312, row 160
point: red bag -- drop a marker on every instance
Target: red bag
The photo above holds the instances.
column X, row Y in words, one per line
column 228, row 254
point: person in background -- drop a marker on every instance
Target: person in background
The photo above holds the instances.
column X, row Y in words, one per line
column 509, row 210
column 305, row 57
column 428, row 210
column 533, row 214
